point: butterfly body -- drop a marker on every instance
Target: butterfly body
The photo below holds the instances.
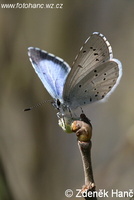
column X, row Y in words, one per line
column 92, row 77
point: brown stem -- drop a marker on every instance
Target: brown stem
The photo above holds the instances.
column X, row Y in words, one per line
column 83, row 130
column 85, row 150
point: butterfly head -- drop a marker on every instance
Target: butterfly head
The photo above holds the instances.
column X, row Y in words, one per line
column 56, row 104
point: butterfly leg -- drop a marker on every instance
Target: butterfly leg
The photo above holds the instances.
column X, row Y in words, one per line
column 82, row 110
column 70, row 111
column 61, row 120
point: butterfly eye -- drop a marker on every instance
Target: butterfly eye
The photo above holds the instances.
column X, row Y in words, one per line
column 58, row 103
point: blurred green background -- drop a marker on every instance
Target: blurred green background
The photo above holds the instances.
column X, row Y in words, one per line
column 37, row 159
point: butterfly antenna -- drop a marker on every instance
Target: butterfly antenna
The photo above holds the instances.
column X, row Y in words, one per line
column 37, row 105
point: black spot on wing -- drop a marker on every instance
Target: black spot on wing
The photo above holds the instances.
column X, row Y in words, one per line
column 95, row 54
column 84, row 51
column 80, row 66
column 95, row 71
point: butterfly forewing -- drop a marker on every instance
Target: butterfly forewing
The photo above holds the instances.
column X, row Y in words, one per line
column 51, row 70
column 94, row 73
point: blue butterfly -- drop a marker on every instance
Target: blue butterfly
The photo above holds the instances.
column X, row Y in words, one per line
column 92, row 77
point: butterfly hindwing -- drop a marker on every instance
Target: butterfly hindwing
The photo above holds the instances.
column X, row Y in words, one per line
column 96, row 85
column 51, row 70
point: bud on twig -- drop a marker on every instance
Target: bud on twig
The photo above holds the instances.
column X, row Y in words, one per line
column 83, row 129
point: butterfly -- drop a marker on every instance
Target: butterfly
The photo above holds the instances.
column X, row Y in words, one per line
column 93, row 76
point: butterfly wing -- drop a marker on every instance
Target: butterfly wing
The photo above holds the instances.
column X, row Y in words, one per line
column 94, row 73
column 51, row 70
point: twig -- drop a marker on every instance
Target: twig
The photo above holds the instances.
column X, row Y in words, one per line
column 83, row 130
column 89, row 187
